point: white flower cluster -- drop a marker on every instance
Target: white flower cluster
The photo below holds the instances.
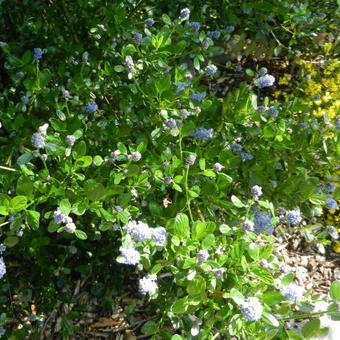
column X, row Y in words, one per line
column 131, row 255
column 61, row 218
column 2, row 268
column 148, row 284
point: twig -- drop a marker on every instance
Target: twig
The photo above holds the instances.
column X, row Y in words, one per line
column 7, row 168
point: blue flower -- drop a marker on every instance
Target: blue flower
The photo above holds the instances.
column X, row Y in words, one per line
column 197, row 97
column 137, row 38
column 329, row 187
column 203, row 256
column 2, row 248
column 194, row 26
column 139, row 230
column 38, row 53
column 236, row 147
column 159, row 236
column 262, row 222
column 202, row 133
column 251, row 309
column 331, row 203
column 91, row 107
column 181, row 87
column 263, row 71
column 230, row 29
column 238, row 68
column 70, row 140
column 293, row 293
column 25, row 100
column 246, row 156
column 149, row 22
column 38, row 140
column 210, row 70
column 131, row 256
column 303, row 125
column 214, row 34
column 185, row 14
column 2, row 268
column 264, row 81
column 262, row 109
column 293, row 216
column 256, row 191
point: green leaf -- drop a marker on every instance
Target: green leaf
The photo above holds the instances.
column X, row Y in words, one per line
column 334, row 291
column 236, row 295
column 318, row 199
column 202, row 229
column 79, row 150
column 249, row 72
column 119, row 68
column 150, row 327
column 11, row 241
column 98, row 160
column 180, row 306
column 65, row 206
column 254, row 251
column 176, row 337
column 224, row 229
column 311, row 328
column 84, row 162
column 179, row 226
column 166, row 19
column 95, row 192
column 24, row 158
column 33, row 219
column 264, row 275
column 196, row 287
column 287, row 279
column 18, row 203
column 270, row 319
column 271, row 298
column 208, row 242
column 237, row 202
column 80, row 234
column 294, row 336
column 24, row 186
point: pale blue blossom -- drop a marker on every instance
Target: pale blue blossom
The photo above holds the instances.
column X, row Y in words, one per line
column 251, row 309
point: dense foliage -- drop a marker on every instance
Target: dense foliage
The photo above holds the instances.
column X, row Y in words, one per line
column 121, row 159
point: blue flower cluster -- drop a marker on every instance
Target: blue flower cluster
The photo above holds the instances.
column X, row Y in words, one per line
column 293, row 293
column 197, row 97
column 214, row 34
column 262, row 222
column 91, row 107
column 194, row 26
column 38, row 140
column 293, row 216
column 181, row 87
column 185, row 14
column 331, row 203
column 38, row 53
column 202, row 133
column 246, row 156
column 264, row 81
column 210, row 70
column 251, row 309
column 149, row 22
